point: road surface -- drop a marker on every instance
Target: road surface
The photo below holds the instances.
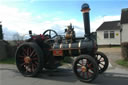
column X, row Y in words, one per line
column 115, row 74
column 9, row 75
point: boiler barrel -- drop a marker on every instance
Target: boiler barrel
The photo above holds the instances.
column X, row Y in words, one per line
column 75, row 49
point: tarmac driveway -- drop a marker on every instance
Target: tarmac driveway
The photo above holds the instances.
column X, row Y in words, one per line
column 115, row 75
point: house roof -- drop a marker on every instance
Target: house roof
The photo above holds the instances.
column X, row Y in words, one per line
column 124, row 16
column 111, row 25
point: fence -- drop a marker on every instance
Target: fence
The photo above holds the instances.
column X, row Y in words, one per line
column 6, row 50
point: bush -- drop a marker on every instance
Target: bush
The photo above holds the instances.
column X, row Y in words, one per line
column 124, row 50
column 122, row 63
column 8, row 61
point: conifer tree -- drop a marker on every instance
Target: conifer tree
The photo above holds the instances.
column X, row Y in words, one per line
column 1, row 32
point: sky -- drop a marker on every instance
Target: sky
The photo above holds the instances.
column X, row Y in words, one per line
column 39, row 15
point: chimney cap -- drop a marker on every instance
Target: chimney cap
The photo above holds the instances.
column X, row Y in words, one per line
column 85, row 6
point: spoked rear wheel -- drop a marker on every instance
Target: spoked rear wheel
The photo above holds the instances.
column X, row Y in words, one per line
column 85, row 68
column 102, row 61
column 29, row 59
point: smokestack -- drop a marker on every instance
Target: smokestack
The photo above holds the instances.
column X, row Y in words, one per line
column 85, row 10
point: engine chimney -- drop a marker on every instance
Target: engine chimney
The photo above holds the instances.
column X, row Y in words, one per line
column 85, row 10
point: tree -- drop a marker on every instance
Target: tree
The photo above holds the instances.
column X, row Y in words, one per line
column 1, row 32
column 17, row 38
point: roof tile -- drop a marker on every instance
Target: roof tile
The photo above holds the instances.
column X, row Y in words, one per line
column 111, row 25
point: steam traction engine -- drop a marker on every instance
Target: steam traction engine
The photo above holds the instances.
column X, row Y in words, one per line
column 45, row 51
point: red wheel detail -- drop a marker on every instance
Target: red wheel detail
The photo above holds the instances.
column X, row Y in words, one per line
column 27, row 60
column 83, row 74
column 31, row 53
column 82, row 62
column 34, row 58
column 23, row 64
column 87, row 75
column 89, row 66
column 102, row 61
column 85, row 68
column 78, row 67
column 24, row 52
column 27, row 50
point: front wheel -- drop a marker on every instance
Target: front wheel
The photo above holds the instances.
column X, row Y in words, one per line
column 85, row 68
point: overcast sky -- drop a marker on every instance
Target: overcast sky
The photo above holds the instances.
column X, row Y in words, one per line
column 38, row 15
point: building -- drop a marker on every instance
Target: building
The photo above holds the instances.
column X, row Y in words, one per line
column 124, row 25
column 114, row 32
column 109, row 33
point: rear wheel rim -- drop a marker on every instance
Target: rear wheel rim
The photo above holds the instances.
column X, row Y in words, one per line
column 27, row 60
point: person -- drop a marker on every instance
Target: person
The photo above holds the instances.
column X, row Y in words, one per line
column 70, row 34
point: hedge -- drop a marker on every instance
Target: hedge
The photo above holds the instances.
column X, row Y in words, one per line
column 124, row 50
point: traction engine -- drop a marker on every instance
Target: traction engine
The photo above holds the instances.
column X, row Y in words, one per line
column 45, row 51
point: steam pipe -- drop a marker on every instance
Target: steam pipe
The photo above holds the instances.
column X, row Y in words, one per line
column 85, row 10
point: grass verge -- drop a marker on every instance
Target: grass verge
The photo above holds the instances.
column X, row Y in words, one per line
column 122, row 63
column 12, row 60
column 7, row 61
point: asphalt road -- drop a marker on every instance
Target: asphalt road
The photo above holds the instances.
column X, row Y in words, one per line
column 9, row 75
column 115, row 74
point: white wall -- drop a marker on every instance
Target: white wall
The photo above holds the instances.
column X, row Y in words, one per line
column 124, row 32
column 108, row 41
